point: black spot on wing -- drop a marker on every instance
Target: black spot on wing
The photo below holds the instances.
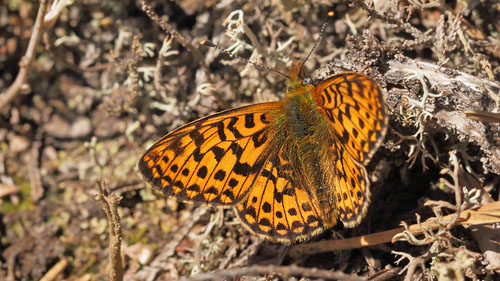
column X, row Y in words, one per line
column 233, row 182
column 197, row 138
column 220, row 131
column 259, row 138
column 218, row 153
column 220, row 175
column 233, row 130
column 202, row 172
column 236, row 149
column 263, row 119
column 249, row 122
column 266, row 207
column 242, row 169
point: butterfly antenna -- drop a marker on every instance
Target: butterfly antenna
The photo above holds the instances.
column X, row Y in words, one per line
column 330, row 17
column 210, row 44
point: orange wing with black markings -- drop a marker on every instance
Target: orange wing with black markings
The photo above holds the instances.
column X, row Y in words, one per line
column 213, row 160
column 280, row 208
column 354, row 106
column 351, row 189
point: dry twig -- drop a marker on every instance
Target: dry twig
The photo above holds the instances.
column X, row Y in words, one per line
column 487, row 214
column 7, row 189
column 27, row 61
column 54, row 272
column 109, row 203
column 284, row 271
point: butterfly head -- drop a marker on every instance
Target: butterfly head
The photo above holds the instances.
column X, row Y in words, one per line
column 299, row 82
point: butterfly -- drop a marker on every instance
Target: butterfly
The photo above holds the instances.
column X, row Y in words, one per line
column 290, row 169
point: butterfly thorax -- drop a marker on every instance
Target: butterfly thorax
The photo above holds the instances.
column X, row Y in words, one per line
column 304, row 137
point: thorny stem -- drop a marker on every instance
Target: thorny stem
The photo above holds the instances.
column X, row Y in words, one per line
column 27, row 61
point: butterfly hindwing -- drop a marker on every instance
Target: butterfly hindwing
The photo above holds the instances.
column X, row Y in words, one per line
column 351, row 188
column 211, row 160
column 354, row 104
column 278, row 207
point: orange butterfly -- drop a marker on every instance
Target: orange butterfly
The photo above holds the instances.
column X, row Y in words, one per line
column 291, row 168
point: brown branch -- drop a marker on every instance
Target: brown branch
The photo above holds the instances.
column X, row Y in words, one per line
column 34, row 174
column 146, row 7
column 7, row 189
column 27, row 61
column 109, row 203
column 284, row 271
column 489, row 213
column 55, row 271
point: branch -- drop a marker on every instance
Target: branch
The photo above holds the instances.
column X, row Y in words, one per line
column 487, row 214
column 109, row 203
column 27, row 61
column 284, row 271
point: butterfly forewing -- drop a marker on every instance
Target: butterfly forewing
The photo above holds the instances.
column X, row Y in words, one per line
column 215, row 159
column 355, row 107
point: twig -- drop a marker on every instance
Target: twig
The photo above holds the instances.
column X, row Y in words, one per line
column 54, row 272
column 489, row 213
column 34, row 174
column 420, row 36
column 27, row 61
column 284, row 271
column 483, row 116
column 7, row 189
column 109, row 203
column 385, row 274
column 413, row 263
column 146, row 7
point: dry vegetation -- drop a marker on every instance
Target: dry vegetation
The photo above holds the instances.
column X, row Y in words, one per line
column 106, row 81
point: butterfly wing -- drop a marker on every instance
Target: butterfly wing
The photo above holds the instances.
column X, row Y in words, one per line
column 215, row 159
column 354, row 106
column 278, row 207
column 351, row 188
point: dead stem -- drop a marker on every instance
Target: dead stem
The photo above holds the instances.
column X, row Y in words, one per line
column 55, row 271
column 284, row 271
column 109, row 203
column 489, row 213
column 27, row 61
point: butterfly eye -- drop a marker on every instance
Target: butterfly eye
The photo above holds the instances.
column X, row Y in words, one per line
column 307, row 80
